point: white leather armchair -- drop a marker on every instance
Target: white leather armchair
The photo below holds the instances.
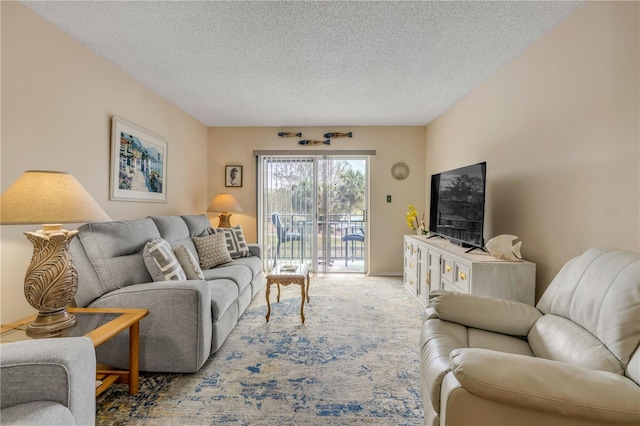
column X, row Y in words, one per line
column 571, row 360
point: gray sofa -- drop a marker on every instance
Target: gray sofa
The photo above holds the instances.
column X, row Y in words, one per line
column 188, row 319
column 572, row 360
column 48, row 382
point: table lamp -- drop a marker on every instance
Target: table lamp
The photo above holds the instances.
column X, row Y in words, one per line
column 51, row 280
column 224, row 203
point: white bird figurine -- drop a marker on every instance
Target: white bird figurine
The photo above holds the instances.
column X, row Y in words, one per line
column 502, row 247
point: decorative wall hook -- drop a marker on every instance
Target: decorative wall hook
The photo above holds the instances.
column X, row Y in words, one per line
column 314, row 142
column 338, row 135
column 290, row 135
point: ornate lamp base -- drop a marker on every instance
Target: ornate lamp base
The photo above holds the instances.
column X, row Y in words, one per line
column 224, row 220
column 52, row 324
column 51, row 281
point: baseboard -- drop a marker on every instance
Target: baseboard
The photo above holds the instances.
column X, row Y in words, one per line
column 384, row 274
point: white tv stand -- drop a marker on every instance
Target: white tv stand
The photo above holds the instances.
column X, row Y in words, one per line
column 431, row 264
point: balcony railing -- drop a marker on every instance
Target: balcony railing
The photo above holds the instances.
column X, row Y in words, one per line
column 339, row 240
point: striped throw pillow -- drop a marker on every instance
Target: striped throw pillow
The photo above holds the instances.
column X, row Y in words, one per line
column 236, row 244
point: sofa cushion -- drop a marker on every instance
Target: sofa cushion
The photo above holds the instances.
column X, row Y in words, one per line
column 224, row 293
column 198, row 224
column 212, row 250
column 239, row 274
column 236, row 243
column 253, row 263
column 189, row 263
column 172, row 228
column 114, row 250
column 162, row 262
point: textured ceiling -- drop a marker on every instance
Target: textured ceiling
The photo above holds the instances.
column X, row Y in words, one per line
column 299, row 63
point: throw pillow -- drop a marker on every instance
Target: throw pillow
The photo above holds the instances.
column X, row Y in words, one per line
column 236, row 244
column 161, row 261
column 212, row 250
column 189, row 263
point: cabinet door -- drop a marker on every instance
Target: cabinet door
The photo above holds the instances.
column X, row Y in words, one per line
column 423, row 274
column 434, row 270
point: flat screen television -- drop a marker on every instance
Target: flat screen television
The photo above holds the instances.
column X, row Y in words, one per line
column 457, row 205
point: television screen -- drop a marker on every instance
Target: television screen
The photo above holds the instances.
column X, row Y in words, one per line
column 457, row 204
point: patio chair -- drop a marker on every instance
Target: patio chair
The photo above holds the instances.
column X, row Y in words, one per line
column 286, row 235
column 357, row 235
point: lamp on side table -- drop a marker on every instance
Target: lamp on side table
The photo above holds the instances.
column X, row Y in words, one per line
column 51, row 280
column 224, row 203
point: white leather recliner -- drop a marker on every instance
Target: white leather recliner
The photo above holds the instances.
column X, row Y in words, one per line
column 571, row 360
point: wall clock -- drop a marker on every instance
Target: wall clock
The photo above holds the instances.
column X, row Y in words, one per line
column 399, row 171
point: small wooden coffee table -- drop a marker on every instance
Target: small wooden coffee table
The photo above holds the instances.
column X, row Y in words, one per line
column 285, row 275
column 99, row 325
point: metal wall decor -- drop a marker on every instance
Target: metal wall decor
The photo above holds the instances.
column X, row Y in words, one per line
column 313, row 142
column 338, row 135
column 310, row 142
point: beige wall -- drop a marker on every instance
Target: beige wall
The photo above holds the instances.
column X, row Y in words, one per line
column 559, row 129
column 392, row 144
column 57, row 101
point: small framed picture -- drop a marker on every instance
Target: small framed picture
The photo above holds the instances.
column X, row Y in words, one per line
column 233, row 176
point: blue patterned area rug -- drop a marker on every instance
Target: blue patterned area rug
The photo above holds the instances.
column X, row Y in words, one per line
column 354, row 361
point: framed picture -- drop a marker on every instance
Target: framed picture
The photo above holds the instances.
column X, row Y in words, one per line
column 233, row 176
column 138, row 163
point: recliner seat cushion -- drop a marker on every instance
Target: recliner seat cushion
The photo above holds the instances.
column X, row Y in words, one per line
column 239, row 274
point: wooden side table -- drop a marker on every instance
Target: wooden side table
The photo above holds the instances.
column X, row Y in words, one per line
column 99, row 325
column 285, row 275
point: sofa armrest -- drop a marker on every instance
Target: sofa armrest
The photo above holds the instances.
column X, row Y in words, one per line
column 482, row 312
column 62, row 370
column 179, row 323
column 549, row 386
column 255, row 250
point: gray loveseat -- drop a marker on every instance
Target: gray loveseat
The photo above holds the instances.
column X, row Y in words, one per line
column 188, row 319
column 48, row 382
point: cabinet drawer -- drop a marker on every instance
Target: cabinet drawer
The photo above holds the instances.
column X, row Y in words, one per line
column 462, row 277
column 411, row 266
column 410, row 250
column 448, row 267
column 446, row 285
column 411, row 282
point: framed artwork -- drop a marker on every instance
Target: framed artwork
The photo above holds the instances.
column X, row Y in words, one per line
column 138, row 163
column 233, row 176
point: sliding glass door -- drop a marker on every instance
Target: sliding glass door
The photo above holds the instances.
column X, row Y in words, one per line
column 313, row 210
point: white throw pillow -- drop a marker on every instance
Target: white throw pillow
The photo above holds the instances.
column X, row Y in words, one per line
column 161, row 261
column 189, row 263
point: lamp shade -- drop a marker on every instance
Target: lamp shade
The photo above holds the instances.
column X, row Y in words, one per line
column 224, row 203
column 48, row 197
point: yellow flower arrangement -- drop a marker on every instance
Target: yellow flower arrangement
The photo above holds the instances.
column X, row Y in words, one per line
column 412, row 220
